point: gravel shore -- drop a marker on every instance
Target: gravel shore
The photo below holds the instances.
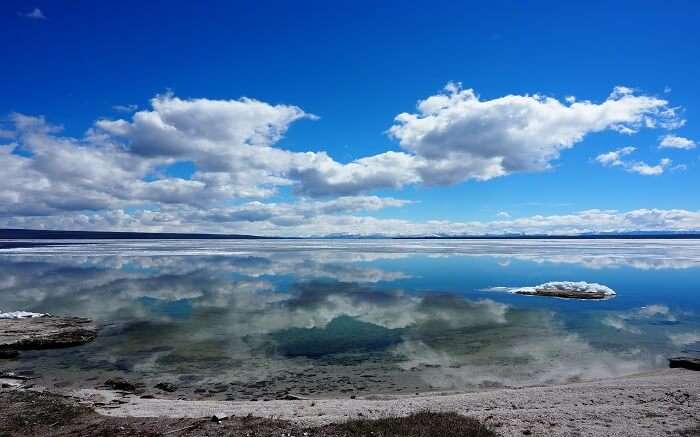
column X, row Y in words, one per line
column 662, row 402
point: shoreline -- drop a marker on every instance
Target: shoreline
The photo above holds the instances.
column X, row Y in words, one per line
column 661, row 402
column 653, row 403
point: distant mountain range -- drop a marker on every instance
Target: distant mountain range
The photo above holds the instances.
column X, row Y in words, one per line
column 36, row 234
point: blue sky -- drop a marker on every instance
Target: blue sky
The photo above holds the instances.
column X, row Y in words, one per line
column 351, row 68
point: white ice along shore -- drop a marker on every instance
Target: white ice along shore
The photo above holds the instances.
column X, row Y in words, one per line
column 20, row 315
column 568, row 289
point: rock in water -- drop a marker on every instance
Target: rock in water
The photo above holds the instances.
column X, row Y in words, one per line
column 46, row 332
column 691, row 363
column 568, row 290
column 166, row 386
column 119, row 383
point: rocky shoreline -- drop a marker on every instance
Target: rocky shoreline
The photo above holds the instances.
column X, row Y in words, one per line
column 661, row 402
column 32, row 413
column 44, row 332
column 658, row 403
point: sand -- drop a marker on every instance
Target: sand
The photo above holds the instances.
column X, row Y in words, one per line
column 652, row 404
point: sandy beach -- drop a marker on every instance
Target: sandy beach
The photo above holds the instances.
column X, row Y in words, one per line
column 662, row 402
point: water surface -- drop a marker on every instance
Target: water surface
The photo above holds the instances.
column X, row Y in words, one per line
column 257, row 319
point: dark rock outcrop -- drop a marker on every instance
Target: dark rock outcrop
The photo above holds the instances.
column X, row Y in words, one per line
column 166, row 386
column 46, row 332
column 691, row 363
column 119, row 383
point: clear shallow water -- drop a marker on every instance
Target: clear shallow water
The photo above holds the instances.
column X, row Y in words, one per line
column 254, row 319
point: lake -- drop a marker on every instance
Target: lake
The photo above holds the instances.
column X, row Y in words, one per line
column 255, row 319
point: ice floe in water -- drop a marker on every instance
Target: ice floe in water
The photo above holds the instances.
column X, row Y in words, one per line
column 568, row 289
column 20, row 315
column 563, row 289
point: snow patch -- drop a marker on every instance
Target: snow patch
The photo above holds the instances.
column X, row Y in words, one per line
column 563, row 289
column 20, row 315
column 580, row 287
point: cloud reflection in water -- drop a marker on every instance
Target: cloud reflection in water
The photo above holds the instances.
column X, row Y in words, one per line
column 253, row 313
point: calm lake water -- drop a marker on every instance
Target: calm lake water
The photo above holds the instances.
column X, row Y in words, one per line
column 256, row 319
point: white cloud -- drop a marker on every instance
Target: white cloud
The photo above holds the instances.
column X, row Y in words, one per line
column 317, row 174
column 614, row 159
column 232, row 148
column 231, row 145
column 645, row 169
column 318, row 219
column 202, row 128
column 675, row 142
column 34, row 14
column 461, row 137
column 503, row 214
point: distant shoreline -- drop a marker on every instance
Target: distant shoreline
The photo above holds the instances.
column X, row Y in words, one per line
column 37, row 234
column 562, row 237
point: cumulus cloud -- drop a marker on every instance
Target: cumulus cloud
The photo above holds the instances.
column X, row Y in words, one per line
column 615, row 159
column 463, row 137
column 202, row 127
column 675, row 142
column 645, row 169
column 319, row 175
column 231, row 143
column 295, row 220
column 232, row 148
column 290, row 214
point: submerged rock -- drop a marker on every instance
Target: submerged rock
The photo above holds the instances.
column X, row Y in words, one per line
column 45, row 332
column 691, row 363
column 166, row 386
column 119, row 383
column 568, row 290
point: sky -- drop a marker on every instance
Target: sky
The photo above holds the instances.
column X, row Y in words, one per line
column 316, row 118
